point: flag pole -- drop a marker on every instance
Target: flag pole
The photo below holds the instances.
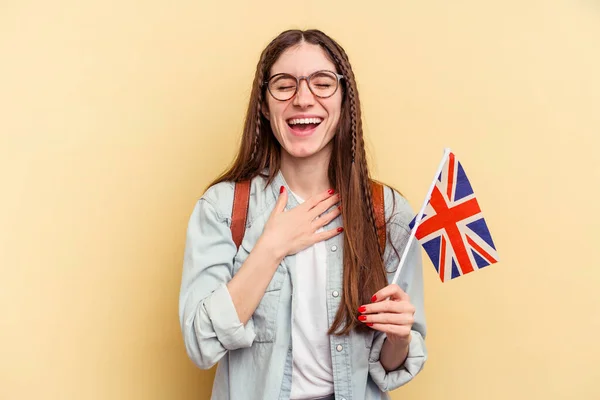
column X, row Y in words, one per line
column 420, row 215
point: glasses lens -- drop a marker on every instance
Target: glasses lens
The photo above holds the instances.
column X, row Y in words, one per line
column 283, row 86
column 323, row 84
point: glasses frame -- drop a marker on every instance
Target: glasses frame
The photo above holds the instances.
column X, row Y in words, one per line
column 307, row 79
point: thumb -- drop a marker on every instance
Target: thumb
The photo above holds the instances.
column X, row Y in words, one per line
column 281, row 201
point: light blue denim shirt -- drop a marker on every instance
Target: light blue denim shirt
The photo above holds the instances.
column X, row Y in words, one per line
column 255, row 360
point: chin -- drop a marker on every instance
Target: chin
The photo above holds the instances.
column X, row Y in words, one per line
column 301, row 153
column 304, row 151
column 306, row 147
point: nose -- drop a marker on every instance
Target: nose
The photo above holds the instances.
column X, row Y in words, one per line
column 304, row 96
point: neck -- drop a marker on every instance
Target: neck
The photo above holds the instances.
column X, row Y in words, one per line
column 306, row 176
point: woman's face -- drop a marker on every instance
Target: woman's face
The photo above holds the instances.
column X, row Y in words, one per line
column 289, row 118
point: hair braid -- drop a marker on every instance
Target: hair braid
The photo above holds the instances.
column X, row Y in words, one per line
column 357, row 139
column 258, row 108
column 366, row 183
column 355, row 120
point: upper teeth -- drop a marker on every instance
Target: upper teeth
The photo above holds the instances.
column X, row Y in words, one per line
column 305, row 121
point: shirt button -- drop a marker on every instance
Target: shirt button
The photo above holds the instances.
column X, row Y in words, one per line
column 339, row 347
column 333, row 248
column 335, row 293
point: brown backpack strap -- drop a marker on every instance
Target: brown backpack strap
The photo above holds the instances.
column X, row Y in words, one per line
column 239, row 214
column 379, row 208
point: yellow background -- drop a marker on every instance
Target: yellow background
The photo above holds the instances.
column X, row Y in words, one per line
column 114, row 115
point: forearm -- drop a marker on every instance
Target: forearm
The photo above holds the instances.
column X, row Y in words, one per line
column 393, row 354
column 248, row 285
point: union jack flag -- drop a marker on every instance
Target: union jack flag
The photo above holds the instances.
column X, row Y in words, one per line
column 452, row 230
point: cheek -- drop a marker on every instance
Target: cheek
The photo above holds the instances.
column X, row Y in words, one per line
column 270, row 112
column 335, row 112
column 335, row 104
column 276, row 128
column 275, row 110
column 278, row 125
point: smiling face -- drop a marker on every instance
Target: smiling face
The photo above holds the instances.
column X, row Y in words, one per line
column 305, row 124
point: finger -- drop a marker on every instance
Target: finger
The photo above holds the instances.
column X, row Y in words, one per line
column 281, row 201
column 326, row 218
column 397, row 330
column 392, row 291
column 388, row 318
column 318, row 198
column 328, row 234
column 323, row 206
column 387, row 306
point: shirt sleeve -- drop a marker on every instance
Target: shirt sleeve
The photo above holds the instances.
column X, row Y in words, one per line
column 411, row 281
column 209, row 321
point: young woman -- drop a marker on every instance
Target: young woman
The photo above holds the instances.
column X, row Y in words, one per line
column 303, row 308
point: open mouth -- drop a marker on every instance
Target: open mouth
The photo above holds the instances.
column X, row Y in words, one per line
column 304, row 125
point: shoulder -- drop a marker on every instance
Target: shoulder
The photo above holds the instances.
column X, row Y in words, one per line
column 220, row 196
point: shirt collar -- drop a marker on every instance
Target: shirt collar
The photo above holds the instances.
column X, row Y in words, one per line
column 276, row 185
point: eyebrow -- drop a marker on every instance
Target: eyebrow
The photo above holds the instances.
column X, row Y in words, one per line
column 316, row 70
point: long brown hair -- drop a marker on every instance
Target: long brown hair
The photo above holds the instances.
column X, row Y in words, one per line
column 364, row 272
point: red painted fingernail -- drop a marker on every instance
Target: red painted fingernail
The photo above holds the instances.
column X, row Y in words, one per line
column 373, row 299
column 369, row 324
column 362, row 309
column 281, row 189
column 340, row 229
column 362, row 317
column 331, row 191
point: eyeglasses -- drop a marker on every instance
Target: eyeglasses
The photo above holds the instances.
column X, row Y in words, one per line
column 322, row 84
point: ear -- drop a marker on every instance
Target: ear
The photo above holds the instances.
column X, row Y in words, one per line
column 264, row 108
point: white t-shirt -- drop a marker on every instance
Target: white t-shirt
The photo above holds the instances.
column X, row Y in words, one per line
column 312, row 373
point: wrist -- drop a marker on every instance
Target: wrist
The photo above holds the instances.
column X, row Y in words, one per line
column 394, row 352
column 399, row 343
column 270, row 250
